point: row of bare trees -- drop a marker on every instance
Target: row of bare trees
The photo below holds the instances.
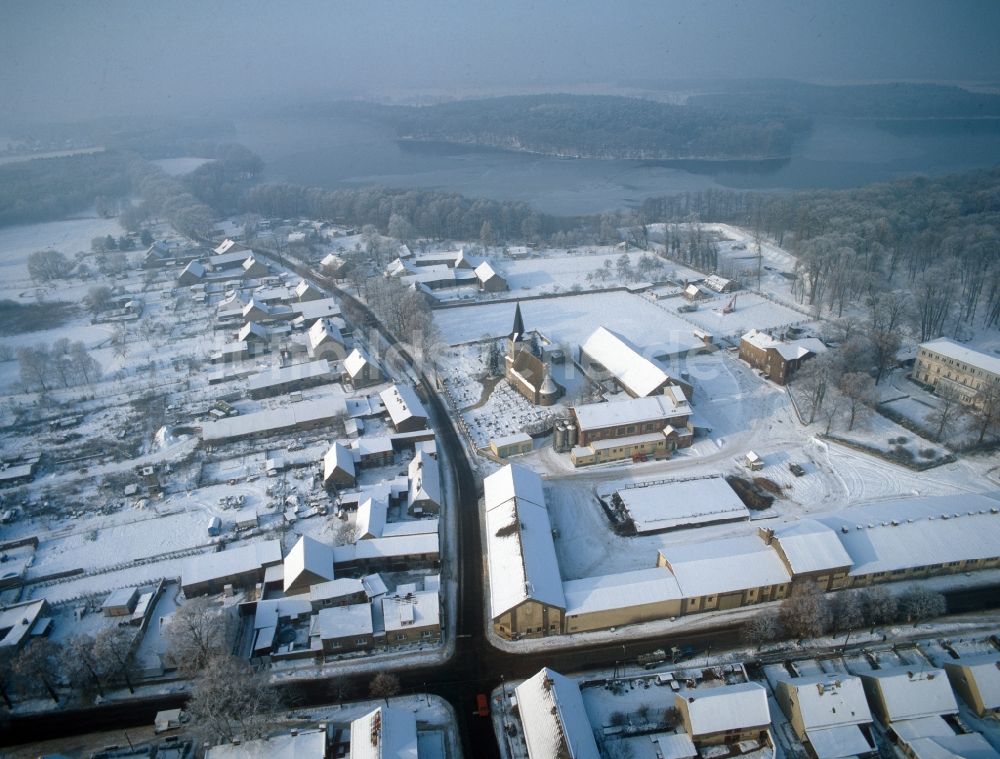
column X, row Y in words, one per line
column 811, row 613
column 63, row 364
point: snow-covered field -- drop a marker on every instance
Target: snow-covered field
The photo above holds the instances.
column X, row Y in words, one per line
column 752, row 311
column 570, row 320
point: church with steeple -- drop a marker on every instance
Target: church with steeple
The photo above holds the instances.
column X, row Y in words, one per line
column 524, row 368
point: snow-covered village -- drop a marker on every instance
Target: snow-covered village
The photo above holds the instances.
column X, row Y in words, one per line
column 640, row 421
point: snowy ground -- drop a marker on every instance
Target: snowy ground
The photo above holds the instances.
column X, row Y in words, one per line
column 570, row 320
column 752, row 311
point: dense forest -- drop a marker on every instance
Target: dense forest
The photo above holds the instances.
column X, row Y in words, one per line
column 874, row 101
column 50, row 188
column 593, row 126
column 937, row 239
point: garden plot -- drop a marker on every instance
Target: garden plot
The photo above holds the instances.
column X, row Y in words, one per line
column 570, row 320
column 505, row 413
column 752, row 311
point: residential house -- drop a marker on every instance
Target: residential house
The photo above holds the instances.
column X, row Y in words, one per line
column 338, row 467
column 308, row 563
column 306, row 291
column 829, row 714
column 489, row 280
column 385, row 733
column 728, row 714
column 406, row 412
column 240, row 567
column 778, row 359
column 254, row 268
column 342, row 591
column 360, row 370
column 554, row 719
column 324, row 341
column 423, row 496
column 192, row 274
column 413, row 617
column 977, row 680
column 299, row 744
column 342, row 629
column 374, row 451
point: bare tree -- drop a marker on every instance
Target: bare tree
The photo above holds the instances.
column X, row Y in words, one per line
column 814, row 379
column 229, row 700
column 198, row 631
column 859, row 389
column 85, row 365
column 97, row 299
column 35, row 364
column 761, row 628
column 45, row 265
column 116, row 646
column 944, row 418
column 885, row 345
column 847, row 610
column 806, row 613
column 920, row 603
column 878, row 606
column 37, row 664
column 81, row 665
column 986, row 410
column 384, row 685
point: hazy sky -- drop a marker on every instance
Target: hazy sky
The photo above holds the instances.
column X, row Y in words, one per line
column 100, row 56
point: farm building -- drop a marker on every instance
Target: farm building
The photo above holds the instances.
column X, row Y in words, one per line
column 778, row 359
column 677, row 505
column 634, row 416
column 511, row 445
column 303, row 415
column 606, row 354
column 489, row 280
column 286, row 379
column 20, row 622
column 526, row 595
column 606, row 601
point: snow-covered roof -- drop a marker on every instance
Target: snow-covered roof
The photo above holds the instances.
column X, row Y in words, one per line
column 371, row 518
column 674, row 745
column 950, row 349
column 910, row 693
column 517, row 437
column 669, row 505
column 727, row 707
column 321, row 308
column 323, row 331
column 374, row 585
column 554, row 719
column 309, row 561
column 985, row 671
column 634, row 372
column 425, row 480
column 306, row 744
column 811, row 546
column 273, row 419
column 284, row 375
column 356, row 361
column 211, row 566
column 912, row 532
column 270, row 610
column 620, row 591
column 386, row 733
column 194, row 268
column 338, row 588
column 420, row 609
column 344, row 621
column 410, row 527
column 952, row 746
column 485, row 272
column 305, row 286
column 522, row 556
column 724, row 566
column 592, row 416
column 373, row 446
column 717, row 283
column 512, row 481
column 829, row 700
column 18, row 620
column 229, row 246
column 387, row 548
column 402, row 403
column 338, row 457
column 253, row 328
column 838, row 742
column 789, row 350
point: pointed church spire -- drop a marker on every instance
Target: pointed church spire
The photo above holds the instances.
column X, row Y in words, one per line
column 518, row 323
